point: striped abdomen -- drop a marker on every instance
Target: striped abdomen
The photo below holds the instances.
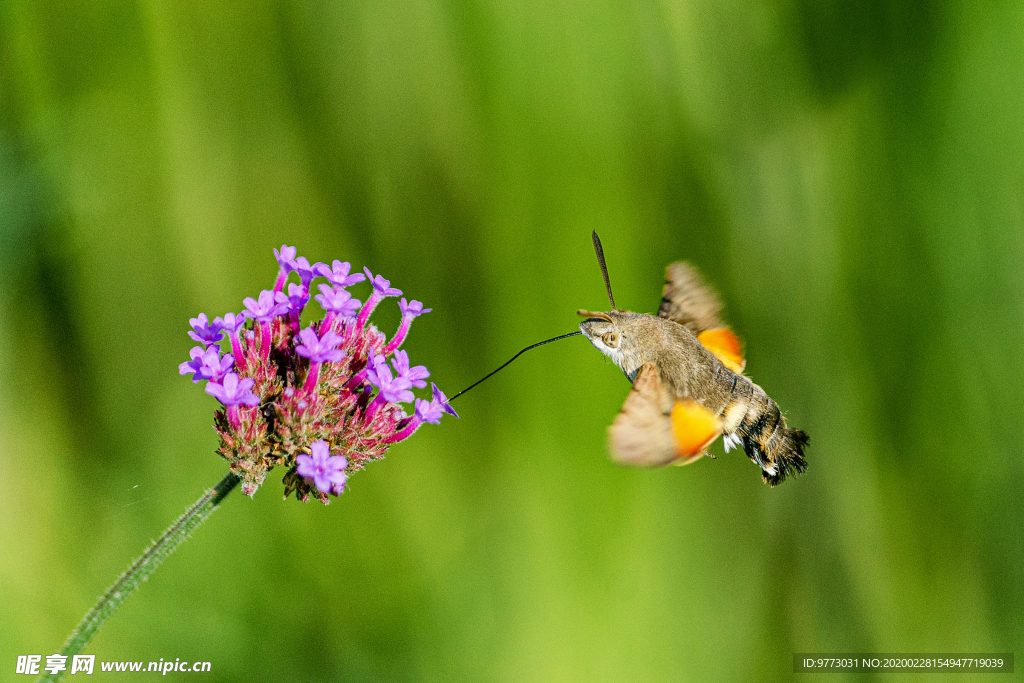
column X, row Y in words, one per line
column 753, row 419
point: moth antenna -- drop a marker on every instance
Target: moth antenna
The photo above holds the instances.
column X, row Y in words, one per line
column 532, row 346
column 599, row 250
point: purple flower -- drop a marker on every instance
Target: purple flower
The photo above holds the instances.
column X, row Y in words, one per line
column 441, row 401
column 230, row 323
column 204, row 332
column 214, row 367
column 325, row 471
column 392, row 389
column 338, row 301
column 296, row 300
column 192, row 366
column 265, row 309
column 427, row 411
column 337, row 273
column 412, row 309
column 306, row 272
column 381, row 286
column 273, row 405
column 373, row 364
column 207, row 364
column 285, row 257
column 232, row 391
column 319, row 350
column 415, row 375
column 409, row 311
column 432, row 411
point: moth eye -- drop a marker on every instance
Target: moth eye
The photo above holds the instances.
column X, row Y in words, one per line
column 610, row 339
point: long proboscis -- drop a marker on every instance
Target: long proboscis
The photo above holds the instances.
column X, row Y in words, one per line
column 532, row 346
column 599, row 250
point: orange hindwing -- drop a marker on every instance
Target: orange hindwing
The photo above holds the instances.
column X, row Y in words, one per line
column 724, row 343
column 694, row 427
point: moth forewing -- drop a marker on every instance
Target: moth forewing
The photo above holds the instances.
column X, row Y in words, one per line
column 641, row 434
column 687, row 300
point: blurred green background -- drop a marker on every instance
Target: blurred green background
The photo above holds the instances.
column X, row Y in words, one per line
column 849, row 174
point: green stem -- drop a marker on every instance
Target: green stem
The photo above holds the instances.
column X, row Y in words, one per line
column 141, row 568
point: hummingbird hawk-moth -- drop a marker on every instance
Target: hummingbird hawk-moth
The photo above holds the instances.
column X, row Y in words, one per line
column 686, row 367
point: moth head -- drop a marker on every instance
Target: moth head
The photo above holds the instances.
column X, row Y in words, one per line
column 611, row 333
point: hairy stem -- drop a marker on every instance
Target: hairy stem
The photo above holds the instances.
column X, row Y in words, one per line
column 141, row 568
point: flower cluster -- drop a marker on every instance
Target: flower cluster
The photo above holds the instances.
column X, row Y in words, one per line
column 321, row 400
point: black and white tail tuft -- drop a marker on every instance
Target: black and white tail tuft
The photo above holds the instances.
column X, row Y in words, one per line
column 782, row 455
